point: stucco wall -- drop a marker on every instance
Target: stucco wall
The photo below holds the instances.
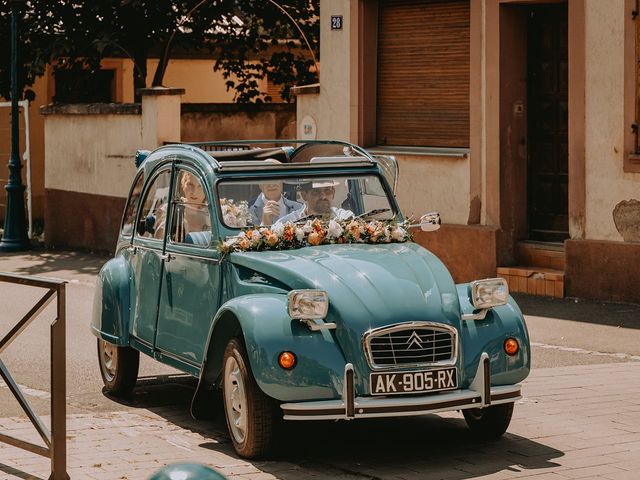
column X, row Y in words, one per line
column 606, row 183
column 428, row 183
column 334, row 107
column 210, row 122
column 91, row 153
column 195, row 75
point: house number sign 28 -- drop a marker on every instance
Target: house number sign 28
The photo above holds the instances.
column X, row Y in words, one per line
column 336, row 22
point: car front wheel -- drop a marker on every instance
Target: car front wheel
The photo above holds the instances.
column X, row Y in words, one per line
column 490, row 422
column 118, row 367
column 251, row 415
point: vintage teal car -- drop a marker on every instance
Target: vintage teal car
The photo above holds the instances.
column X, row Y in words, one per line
column 285, row 276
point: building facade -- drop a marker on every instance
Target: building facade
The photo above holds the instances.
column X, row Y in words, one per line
column 514, row 118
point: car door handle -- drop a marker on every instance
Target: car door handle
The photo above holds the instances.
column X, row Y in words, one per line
column 132, row 250
column 166, row 257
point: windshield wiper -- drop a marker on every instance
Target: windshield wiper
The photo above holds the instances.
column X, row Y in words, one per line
column 308, row 217
column 375, row 211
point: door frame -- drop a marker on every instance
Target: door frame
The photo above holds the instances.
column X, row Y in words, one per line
column 492, row 170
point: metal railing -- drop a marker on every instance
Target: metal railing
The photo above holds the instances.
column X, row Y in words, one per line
column 55, row 441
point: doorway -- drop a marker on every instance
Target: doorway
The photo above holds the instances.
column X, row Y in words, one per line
column 547, row 122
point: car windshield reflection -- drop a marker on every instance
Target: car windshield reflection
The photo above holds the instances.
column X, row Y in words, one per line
column 268, row 201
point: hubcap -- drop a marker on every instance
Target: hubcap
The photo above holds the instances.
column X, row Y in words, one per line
column 108, row 359
column 235, row 400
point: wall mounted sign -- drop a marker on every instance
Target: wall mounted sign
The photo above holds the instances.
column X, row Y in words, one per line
column 308, row 128
column 336, row 22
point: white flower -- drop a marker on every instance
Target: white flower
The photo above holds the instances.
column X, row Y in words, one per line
column 230, row 219
column 299, row 234
column 278, row 229
column 398, row 234
column 334, row 230
column 255, row 237
column 308, row 227
column 387, row 234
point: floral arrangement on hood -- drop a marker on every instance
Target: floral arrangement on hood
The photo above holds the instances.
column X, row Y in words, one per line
column 316, row 232
column 235, row 214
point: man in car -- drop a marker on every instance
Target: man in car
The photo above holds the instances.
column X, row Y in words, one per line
column 271, row 204
column 318, row 197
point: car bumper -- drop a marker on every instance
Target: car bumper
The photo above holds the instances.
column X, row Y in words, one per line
column 480, row 394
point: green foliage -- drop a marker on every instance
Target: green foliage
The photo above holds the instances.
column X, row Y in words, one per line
column 249, row 39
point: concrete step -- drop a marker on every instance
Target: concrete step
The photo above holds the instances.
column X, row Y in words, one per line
column 541, row 255
column 547, row 282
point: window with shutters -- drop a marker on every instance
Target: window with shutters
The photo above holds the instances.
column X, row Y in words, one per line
column 423, row 73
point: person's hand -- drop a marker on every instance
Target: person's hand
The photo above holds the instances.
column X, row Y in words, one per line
column 270, row 212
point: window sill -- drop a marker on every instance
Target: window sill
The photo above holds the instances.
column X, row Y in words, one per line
column 632, row 163
column 420, row 151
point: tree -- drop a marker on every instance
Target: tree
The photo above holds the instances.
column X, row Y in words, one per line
column 248, row 38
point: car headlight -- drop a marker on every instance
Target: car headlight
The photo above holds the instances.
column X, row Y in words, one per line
column 491, row 292
column 308, row 304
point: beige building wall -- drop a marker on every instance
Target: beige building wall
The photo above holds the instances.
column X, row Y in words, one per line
column 429, row 183
column 333, row 108
column 196, row 76
column 606, row 183
column 98, row 152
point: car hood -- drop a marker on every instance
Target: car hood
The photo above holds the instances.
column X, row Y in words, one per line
column 369, row 286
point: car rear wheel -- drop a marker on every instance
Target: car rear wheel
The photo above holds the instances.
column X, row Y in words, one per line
column 118, row 367
column 490, row 422
column 251, row 415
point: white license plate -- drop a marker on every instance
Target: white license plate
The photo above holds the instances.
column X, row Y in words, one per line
column 414, row 382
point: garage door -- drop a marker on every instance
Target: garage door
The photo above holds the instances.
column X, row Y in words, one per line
column 423, row 73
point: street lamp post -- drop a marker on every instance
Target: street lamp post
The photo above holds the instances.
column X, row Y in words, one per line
column 15, row 236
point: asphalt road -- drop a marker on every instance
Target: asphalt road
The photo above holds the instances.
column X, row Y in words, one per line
column 563, row 332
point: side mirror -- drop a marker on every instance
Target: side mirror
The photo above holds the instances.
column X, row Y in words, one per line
column 430, row 222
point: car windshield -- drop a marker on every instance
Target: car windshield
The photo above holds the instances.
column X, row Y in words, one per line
column 261, row 201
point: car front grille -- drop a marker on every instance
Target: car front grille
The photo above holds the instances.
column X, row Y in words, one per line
column 413, row 344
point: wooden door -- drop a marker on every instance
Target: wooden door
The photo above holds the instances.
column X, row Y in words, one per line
column 547, row 123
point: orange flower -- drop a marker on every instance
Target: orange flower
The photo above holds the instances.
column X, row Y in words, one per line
column 354, row 229
column 314, row 238
column 288, row 233
column 243, row 244
column 272, row 240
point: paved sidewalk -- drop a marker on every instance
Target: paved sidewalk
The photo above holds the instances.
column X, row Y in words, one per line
column 574, row 422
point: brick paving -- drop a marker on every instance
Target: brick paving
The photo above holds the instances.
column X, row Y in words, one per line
column 578, row 422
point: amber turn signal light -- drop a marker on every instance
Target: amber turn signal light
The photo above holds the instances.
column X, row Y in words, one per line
column 287, row 360
column 511, row 346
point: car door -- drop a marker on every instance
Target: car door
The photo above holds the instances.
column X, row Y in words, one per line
column 190, row 291
column 146, row 257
